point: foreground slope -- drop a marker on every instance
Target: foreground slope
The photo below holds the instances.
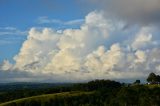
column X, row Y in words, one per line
column 47, row 99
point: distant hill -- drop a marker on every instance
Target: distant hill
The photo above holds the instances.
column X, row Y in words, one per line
column 29, row 85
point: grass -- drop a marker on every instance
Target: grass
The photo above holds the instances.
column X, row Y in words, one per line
column 46, row 97
column 152, row 85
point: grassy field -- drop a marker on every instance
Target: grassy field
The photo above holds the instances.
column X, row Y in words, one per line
column 46, row 97
column 152, row 85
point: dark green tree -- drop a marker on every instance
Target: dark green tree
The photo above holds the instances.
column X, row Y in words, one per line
column 158, row 78
column 137, row 82
column 152, row 77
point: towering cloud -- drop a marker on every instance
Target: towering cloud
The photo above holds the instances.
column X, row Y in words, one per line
column 46, row 50
column 95, row 50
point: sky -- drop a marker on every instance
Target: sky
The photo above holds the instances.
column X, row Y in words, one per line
column 18, row 16
column 78, row 40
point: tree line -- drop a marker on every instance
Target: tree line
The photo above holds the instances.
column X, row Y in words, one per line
column 153, row 78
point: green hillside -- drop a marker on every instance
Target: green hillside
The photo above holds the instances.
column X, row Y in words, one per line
column 44, row 99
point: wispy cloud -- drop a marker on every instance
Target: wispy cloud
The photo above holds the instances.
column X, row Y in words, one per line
column 74, row 22
column 11, row 35
column 8, row 28
column 11, row 31
column 46, row 20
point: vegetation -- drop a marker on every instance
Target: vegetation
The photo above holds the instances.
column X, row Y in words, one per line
column 8, row 94
column 153, row 78
column 93, row 93
column 137, row 82
column 48, row 99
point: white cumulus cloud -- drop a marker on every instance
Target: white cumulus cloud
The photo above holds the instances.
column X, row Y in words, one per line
column 95, row 50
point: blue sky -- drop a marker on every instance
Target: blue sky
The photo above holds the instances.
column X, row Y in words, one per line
column 24, row 14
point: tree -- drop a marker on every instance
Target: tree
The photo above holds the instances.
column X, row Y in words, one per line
column 152, row 77
column 137, row 82
column 157, row 78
